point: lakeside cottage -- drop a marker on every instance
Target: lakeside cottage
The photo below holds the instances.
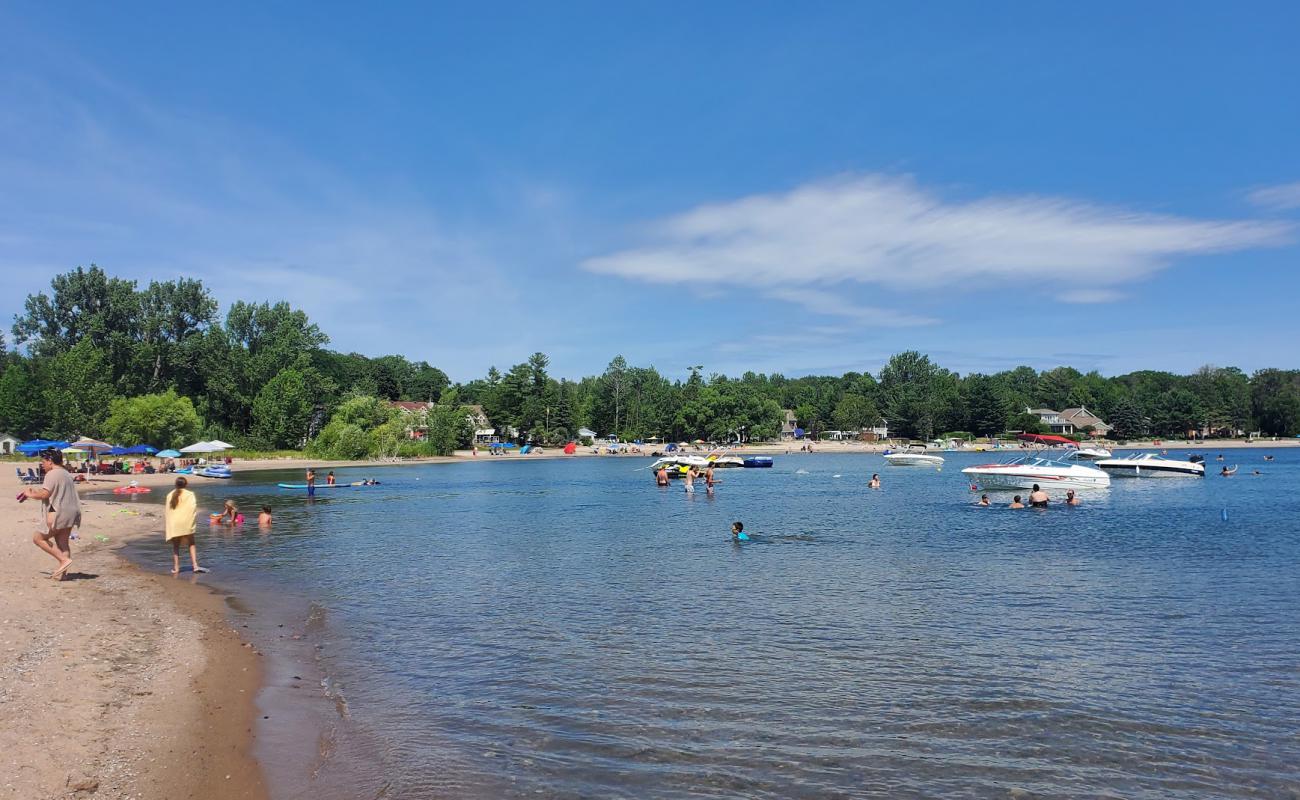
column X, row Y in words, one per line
column 1071, row 420
column 9, row 444
column 478, row 421
column 789, row 424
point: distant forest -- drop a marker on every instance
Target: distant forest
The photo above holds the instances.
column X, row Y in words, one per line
column 106, row 357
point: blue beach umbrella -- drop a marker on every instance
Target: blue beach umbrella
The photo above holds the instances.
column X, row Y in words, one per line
column 35, row 446
column 169, row 454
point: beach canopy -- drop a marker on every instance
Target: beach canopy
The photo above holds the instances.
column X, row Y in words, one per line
column 35, row 446
column 202, row 447
column 137, row 450
column 1039, row 438
column 220, row 445
column 169, row 454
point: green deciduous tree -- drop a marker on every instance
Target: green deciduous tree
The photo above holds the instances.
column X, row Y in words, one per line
column 163, row 420
column 285, row 408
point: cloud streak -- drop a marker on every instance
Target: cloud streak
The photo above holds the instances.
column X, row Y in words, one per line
column 888, row 232
column 1278, row 198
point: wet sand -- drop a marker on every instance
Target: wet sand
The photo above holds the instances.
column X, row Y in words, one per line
column 116, row 683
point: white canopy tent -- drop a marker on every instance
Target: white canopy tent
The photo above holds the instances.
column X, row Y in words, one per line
column 221, row 445
column 202, row 447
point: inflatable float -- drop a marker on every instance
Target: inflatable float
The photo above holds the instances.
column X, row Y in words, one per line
column 132, row 490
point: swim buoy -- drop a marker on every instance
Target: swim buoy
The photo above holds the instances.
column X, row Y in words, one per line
column 132, row 490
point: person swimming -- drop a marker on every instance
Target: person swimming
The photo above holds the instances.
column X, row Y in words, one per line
column 1015, row 502
column 1038, row 498
column 738, row 532
column 1070, row 499
column 984, row 500
column 874, row 483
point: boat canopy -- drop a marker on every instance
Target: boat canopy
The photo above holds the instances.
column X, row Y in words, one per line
column 1039, row 438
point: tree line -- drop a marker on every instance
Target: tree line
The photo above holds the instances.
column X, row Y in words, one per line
column 107, row 357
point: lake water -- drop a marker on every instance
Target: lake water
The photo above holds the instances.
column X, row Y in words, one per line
column 566, row 629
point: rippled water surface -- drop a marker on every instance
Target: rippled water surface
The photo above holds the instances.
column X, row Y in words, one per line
column 567, row 629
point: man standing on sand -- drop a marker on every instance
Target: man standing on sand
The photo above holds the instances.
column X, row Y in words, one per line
column 58, row 495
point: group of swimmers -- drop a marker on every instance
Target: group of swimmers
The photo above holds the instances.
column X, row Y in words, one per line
column 689, row 476
column 1037, row 499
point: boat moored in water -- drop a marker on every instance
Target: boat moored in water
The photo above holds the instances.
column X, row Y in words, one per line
column 757, row 462
column 1150, row 465
column 913, row 456
column 1063, row 472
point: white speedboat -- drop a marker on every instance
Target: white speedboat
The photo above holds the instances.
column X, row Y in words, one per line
column 1093, row 453
column 914, row 456
column 1036, row 468
column 1150, row 465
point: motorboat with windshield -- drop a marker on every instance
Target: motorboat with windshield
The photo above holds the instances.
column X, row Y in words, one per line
column 913, row 455
column 1047, row 469
column 1150, row 465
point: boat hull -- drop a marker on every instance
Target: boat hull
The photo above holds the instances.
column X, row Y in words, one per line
column 1152, row 468
column 913, row 460
column 996, row 478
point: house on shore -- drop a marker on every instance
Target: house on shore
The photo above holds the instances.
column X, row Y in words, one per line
column 478, row 421
column 789, row 425
column 1071, row 420
column 9, row 444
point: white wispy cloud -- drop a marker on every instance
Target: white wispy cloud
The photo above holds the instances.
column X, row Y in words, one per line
column 1279, row 198
column 830, row 304
column 888, row 232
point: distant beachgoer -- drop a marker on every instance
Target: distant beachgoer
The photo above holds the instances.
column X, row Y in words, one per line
column 688, row 480
column 738, row 532
column 1015, row 502
column 264, row 519
column 1038, row 498
column 58, row 495
column 1268, row 458
column 1225, row 472
column 1256, row 472
column 661, row 477
column 1070, row 499
column 1219, row 457
column 178, row 524
column 708, row 479
column 329, row 479
column 984, row 500
column 874, row 483
column 311, row 482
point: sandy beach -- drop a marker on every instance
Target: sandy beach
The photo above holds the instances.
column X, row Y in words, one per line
column 115, row 683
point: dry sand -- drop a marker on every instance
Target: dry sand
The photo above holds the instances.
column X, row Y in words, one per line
column 115, row 683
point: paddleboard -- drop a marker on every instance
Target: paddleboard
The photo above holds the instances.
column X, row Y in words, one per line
column 318, row 486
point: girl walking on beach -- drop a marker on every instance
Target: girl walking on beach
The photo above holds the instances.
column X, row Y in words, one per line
column 178, row 520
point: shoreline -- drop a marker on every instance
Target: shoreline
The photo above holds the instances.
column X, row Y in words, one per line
column 118, row 682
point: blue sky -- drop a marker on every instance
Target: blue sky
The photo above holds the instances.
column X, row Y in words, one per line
column 780, row 187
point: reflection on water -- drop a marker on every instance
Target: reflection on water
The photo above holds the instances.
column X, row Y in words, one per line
column 567, row 629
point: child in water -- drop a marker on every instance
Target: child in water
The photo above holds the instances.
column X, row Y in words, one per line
column 229, row 515
column 264, row 519
column 738, row 532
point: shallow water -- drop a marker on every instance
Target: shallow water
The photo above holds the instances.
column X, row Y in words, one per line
column 567, row 629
